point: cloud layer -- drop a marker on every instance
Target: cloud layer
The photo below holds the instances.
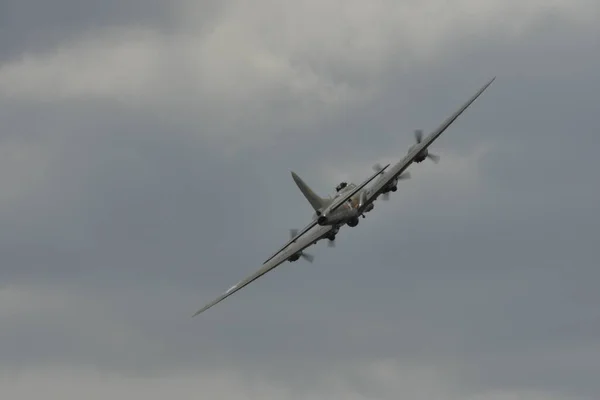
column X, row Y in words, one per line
column 144, row 163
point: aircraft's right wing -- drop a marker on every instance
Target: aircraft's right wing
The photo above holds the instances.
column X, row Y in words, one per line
column 401, row 166
column 294, row 248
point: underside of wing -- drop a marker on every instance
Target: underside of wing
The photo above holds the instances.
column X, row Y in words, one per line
column 436, row 133
column 266, row 268
column 292, row 240
column 294, row 248
column 378, row 187
column 401, row 166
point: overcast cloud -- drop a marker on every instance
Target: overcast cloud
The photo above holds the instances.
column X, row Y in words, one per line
column 145, row 158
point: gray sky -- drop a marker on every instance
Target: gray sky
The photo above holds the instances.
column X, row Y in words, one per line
column 145, row 162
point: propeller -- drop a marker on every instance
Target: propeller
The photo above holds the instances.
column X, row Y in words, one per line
column 377, row 167
column 433, row 157
column 418, row 137
column 406, row 175
column 401, row 177
column 330, row 243
column 306, row 256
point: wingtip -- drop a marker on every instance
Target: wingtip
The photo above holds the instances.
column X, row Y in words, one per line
column 200, row 311
column 296, row 178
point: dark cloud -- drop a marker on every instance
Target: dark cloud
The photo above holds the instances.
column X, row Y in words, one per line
column 139, row 220
column 36, row 25
column 41, row 26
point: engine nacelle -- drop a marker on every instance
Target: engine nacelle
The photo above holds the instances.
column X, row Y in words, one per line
column 331, row 234
column 421, row 156
column 353, row 222
column 294, row 257
column 339, row 215
column 369, row 208
column 392, row 186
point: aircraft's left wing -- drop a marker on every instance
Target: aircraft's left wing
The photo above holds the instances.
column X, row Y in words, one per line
column 294, row 248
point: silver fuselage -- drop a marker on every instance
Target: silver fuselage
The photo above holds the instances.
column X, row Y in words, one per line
column 345, row 214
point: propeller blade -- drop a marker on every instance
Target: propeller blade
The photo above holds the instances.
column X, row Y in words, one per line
column 293, row 233
column 385, row 196
column 307, row 257
column 418, row 135
column 404, row 176
column 433, row 157
column 331, row 243
column 377, row 167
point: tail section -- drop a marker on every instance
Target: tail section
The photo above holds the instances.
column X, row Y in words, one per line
column 317, row 202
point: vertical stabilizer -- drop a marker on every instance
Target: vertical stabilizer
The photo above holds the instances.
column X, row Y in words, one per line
column 317, row 202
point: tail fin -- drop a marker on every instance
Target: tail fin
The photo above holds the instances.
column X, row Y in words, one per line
column 318, row 203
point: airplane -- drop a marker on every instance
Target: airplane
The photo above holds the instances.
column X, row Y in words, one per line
column 293, row 251
column 361, row 201
column 347, row 205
